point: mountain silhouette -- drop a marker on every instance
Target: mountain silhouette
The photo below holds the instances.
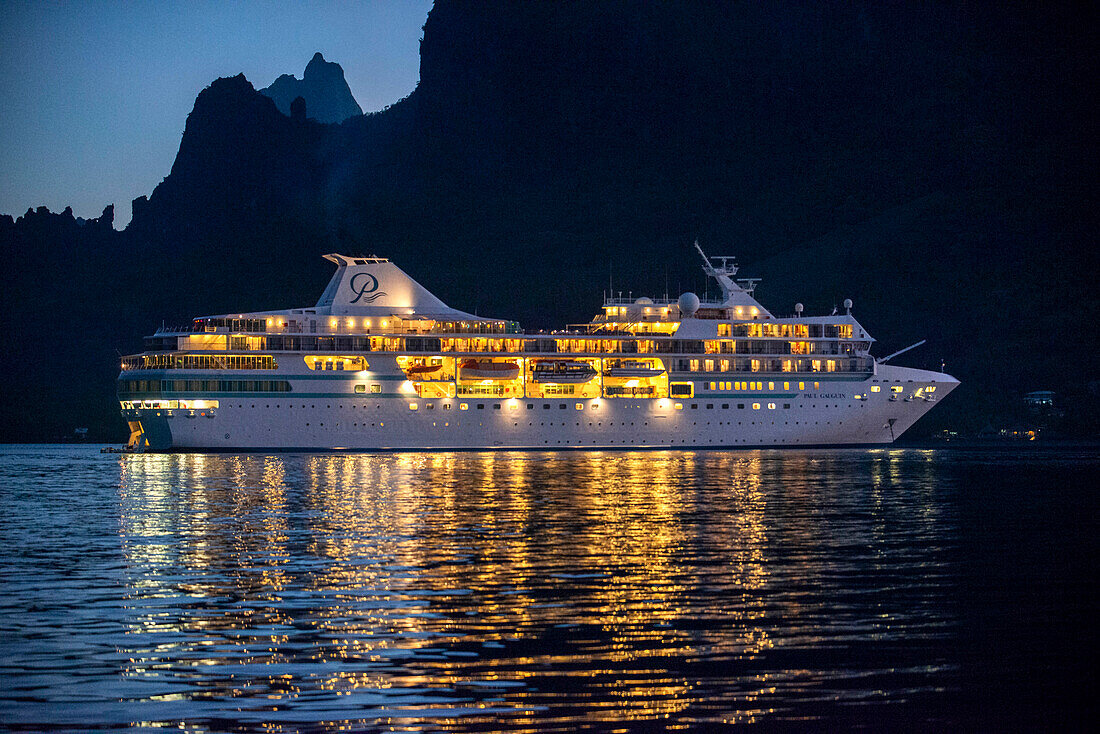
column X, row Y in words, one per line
column 324, row 89
column 929, row 162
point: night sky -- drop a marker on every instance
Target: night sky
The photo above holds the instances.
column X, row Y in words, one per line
column 97, row 93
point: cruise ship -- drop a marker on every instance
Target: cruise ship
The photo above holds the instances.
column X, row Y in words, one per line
column 379, row 363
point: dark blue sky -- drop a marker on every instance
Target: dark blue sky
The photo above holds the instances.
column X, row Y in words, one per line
column 97, row 93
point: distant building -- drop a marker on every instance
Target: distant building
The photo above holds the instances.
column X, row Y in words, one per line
column 1039, row 399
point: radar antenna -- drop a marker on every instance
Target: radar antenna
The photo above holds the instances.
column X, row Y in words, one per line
column 724, row 271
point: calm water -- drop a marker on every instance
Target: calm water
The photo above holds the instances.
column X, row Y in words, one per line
column 894, row 589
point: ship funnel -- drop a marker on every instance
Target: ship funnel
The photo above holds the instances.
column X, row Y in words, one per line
column 366, row 285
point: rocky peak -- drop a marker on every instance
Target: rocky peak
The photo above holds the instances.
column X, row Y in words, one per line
column 324, row 89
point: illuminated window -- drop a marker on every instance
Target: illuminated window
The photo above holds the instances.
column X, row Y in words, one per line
column 786, row 386
column 580, row 406
column 771, row 385
column 930, row 388
column 896, row 388
column 376, row 388
column 712, row 386
column 412, row 406
column 771, row 406
column 875, row 388
column 817, row 385
column 802, row 386
column 360, row 388
column 678, row 406
column 756, row 406
column 463, row 406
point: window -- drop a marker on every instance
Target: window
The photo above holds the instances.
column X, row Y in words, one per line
column 481, row 406
column 376, row 389
column 463, row 406
column 580, row 406
column 681, row 389
column 771, row 406
column 360, row 388
column 412, row 406
column 740, row 406
column 875, row 388
column 756, row 406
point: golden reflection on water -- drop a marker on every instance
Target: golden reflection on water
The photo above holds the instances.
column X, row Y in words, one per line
column 450, row 577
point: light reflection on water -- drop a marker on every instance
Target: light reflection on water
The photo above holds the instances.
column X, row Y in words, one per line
column 467, row 590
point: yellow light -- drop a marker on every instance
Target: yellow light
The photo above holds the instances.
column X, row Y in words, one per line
column 351, row 323
column 269, row 321
column 367, row 323
column 463, row 406
column 679, row 406
column 738, row 310
column 756, row 406
column 332, row 323
column 753, row 311
column 384, row 323
column 580, row 406
column 875, row 388
column 412, row 406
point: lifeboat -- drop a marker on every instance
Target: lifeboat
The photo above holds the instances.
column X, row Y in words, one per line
column 473, row 369
column 570, row 372
column 635, row 368
column 422, row 371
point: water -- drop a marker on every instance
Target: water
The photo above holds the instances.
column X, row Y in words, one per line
column 551, row 592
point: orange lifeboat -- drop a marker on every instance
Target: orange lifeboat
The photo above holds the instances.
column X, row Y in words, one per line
column 473, row 369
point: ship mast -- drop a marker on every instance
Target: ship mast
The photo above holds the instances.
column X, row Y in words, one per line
column 723, row 272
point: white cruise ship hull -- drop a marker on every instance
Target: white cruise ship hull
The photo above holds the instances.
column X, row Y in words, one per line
column 325, row 415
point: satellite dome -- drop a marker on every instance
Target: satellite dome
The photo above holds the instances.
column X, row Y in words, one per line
column 848, row 303
column 643, row 301
column 798, row 308
column 689, row 304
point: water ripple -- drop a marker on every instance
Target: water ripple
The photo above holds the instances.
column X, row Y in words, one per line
column 473, row 591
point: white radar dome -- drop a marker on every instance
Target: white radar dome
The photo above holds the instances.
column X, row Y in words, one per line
column 848, row 303
column 689, row 304
column 643, row 301
column 798, row 308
